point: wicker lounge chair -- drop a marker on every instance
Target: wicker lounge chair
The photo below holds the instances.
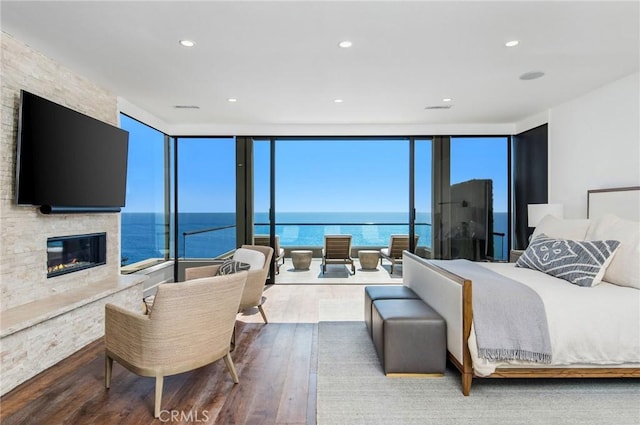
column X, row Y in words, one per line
column 337, row 250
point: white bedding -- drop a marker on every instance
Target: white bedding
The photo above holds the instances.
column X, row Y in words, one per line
column 587, row 326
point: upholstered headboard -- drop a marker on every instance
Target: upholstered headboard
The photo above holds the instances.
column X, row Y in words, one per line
column 621, row 201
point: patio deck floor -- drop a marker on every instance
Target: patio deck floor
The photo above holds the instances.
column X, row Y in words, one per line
column 338, row 274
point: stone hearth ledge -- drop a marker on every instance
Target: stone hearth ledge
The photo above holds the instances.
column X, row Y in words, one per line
column 30, row 314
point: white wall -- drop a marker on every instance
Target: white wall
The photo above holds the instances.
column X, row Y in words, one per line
column 594, row 143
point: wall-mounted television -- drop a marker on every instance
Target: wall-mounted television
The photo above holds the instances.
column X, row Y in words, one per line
column 68, row 161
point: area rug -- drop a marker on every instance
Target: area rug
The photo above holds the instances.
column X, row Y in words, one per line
column 352, row 389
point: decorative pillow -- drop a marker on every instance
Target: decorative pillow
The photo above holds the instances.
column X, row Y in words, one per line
column 250, row 256
column 582, row 263
column 624, row 269
column 574, row 229
column 231, row 266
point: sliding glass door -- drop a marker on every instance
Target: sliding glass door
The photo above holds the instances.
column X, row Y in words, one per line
column 315, row 186
column 356, row 186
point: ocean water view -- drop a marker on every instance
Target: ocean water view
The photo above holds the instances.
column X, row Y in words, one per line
column 143, row 234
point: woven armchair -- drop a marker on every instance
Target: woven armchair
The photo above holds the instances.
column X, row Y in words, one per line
column 190, row 326
column 256, row 280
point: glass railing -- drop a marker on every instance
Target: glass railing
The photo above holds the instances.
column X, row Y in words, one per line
column 499, row 251
column 363, row 234
column 214, row 242
column 210, row 242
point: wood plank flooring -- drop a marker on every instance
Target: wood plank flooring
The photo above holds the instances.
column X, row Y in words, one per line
column 276, row 363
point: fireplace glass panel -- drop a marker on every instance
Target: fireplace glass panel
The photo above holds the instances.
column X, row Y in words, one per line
column 67, row 254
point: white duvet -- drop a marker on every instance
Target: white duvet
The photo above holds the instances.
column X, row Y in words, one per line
column 587, row 326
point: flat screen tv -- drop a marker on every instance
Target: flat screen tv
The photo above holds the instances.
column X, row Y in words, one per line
column 68, row 161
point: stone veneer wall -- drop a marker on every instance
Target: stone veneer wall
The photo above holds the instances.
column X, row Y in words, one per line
column 24, row 230
column 29, row 352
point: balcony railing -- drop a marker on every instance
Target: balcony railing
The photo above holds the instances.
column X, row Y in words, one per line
column 363, row 234
column 214, row 242
column 210, row 242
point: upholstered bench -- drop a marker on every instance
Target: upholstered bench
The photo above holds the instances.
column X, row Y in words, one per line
column 409, row 337
column 384, row 292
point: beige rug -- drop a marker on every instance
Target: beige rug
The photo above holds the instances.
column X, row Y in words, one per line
column 352, row 389
column 332, row 310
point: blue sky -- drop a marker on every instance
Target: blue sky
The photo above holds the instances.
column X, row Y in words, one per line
column 339, row 175
column 311, row 175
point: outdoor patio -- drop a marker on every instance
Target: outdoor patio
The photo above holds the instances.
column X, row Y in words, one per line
column 339, row 274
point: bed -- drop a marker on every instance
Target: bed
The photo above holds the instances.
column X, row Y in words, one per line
column 594, row 332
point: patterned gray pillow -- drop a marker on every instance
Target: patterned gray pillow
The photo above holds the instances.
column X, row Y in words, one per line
column 231, row 266
column 582, row 263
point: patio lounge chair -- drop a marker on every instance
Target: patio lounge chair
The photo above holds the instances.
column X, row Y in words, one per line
column 278, row 253
column 337, row 250
column 397, row 244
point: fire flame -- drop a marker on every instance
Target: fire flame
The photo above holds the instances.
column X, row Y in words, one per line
column 62, row 266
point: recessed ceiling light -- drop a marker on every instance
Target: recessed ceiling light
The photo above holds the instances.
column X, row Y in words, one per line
column 345, row 44
column 338, row 100
column 447, row 99
column 232, row 99
column 531, row 75
column 187, row 43
column 512, row 43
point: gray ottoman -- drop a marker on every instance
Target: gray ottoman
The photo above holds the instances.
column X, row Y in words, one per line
column 409, row 336
column 384, row 292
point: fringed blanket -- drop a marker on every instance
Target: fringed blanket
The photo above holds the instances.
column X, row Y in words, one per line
column 509, row 317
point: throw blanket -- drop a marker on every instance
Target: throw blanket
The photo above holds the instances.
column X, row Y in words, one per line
column 509, row 317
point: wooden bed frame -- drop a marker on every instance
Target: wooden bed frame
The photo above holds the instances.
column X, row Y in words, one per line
column 452, row 296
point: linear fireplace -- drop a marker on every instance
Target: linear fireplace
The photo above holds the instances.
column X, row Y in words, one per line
column 68, row 254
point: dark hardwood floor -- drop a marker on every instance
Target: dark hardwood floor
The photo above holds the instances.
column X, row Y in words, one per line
column 276, row 363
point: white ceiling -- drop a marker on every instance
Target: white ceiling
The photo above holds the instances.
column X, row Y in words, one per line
column 282, row 63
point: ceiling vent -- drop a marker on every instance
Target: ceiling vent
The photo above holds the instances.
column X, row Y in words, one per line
column 186, row 107
column 438, row 107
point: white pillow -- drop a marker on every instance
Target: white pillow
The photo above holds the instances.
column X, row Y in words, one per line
column 624, row 269
column 563, row 228
column 250, row 256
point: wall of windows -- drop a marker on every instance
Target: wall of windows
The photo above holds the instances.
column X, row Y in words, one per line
column 369, row 187
column 363, row 187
